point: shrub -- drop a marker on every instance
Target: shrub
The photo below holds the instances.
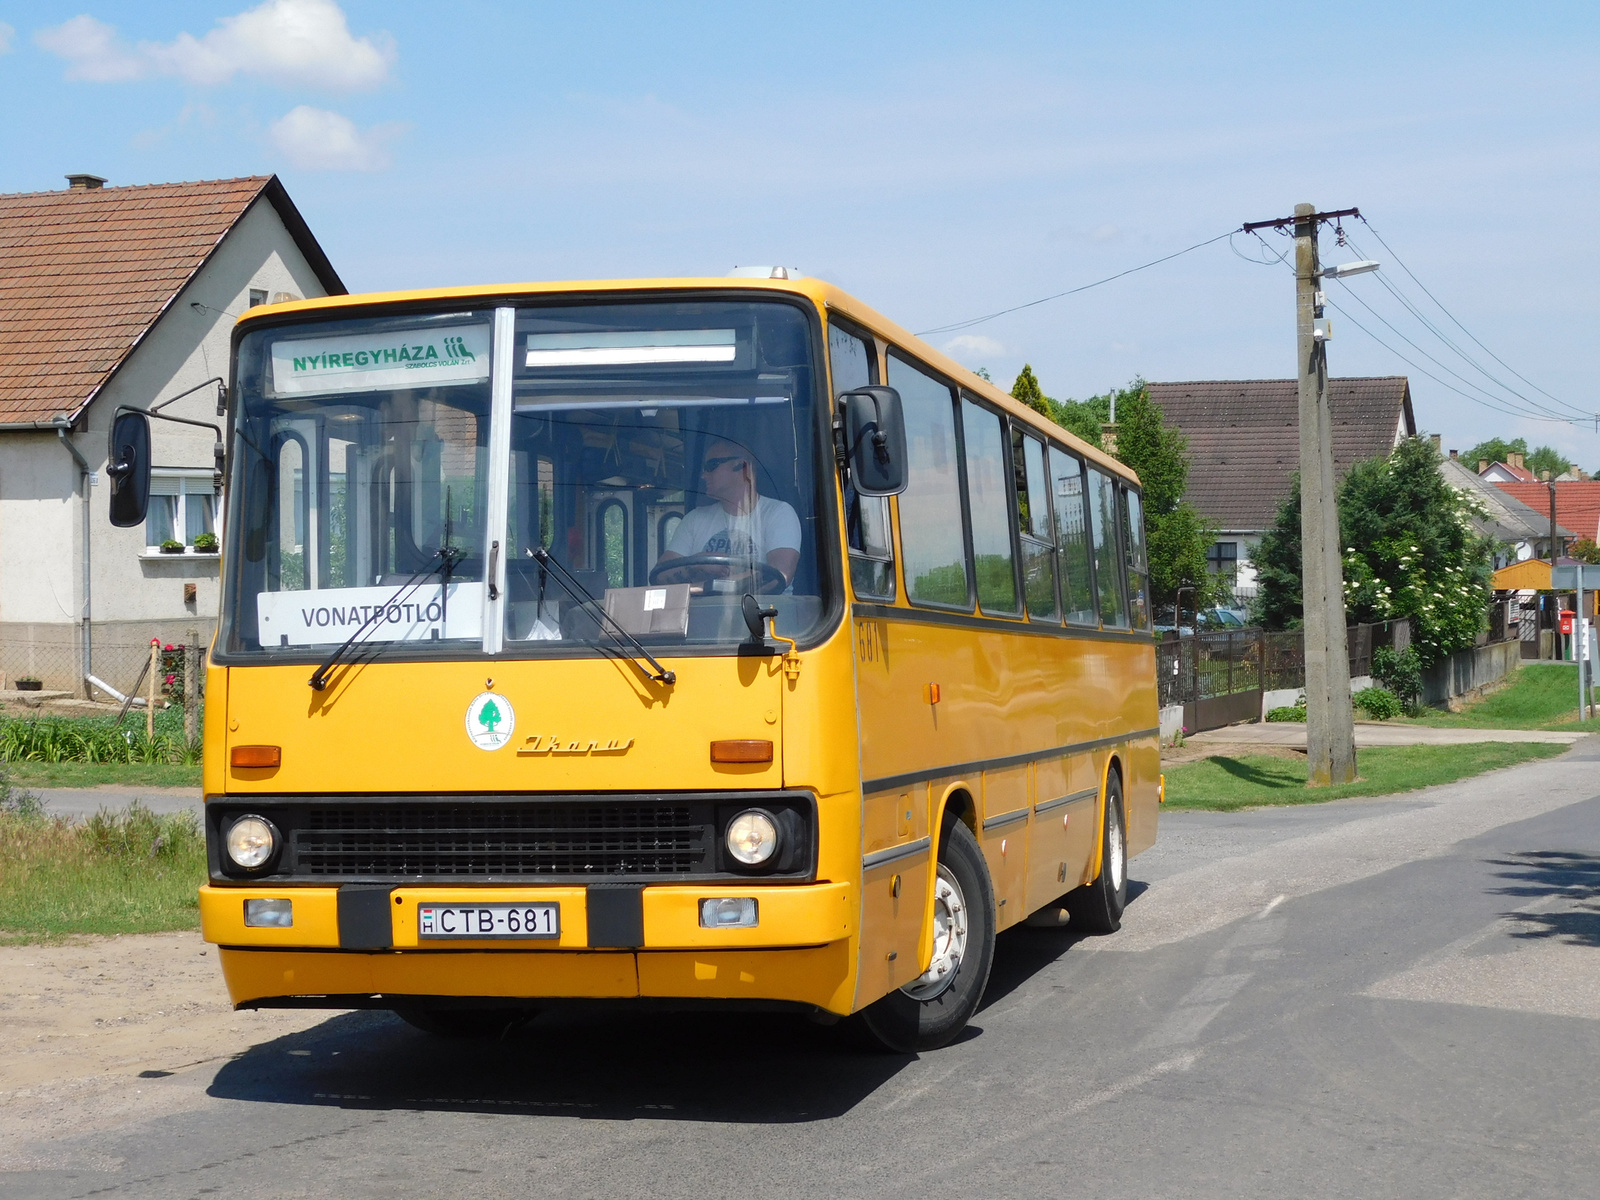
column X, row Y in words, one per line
column 1294, row 712
column 1378, row 703
column 1401, row 673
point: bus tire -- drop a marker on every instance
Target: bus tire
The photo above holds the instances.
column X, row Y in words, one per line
column 1097, row 907
column 932, row 1010
column 474, row 1023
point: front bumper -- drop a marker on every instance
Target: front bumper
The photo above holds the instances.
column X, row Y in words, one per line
column 801, row 951
column 794, row 915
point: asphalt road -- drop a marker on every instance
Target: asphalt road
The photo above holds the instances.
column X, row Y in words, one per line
column 1370, row 998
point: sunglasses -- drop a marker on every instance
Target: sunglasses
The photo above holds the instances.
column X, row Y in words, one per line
column 712, row 464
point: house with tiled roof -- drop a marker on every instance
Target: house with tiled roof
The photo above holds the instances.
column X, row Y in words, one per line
column 1577, row 502
column 111, row 297
column 1513, row 470
column 1519, row 530
column 1244, row 448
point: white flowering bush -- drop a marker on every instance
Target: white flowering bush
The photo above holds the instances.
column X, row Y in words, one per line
column 1411, row 550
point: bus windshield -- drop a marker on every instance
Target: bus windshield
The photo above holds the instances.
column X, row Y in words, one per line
column 632, row 466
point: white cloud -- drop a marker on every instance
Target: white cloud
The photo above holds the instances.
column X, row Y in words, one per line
column 318, row 140
column 7, row 32
column 93, row 51
column 973, row 346
column 287, row 42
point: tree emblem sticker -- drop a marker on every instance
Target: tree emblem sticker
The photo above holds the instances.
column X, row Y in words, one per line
column 490, row 720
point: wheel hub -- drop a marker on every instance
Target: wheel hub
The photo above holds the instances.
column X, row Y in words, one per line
column 949, row 938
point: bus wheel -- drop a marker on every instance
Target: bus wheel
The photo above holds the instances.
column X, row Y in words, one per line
column 482, row 1023
column 1097, row 907
column 932, row 1009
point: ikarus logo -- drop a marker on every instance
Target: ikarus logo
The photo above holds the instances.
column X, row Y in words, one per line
column 490, row 720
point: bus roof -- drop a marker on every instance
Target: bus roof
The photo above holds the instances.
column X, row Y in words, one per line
column 824, row 294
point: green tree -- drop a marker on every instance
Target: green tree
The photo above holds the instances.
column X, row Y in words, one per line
column 1178, row 535
column 1027, row 390
column 1085, row 418
column 1584, row 550
column 1547, row 458
column 1410, row 550
column 1495, row 450
column 1277, row 562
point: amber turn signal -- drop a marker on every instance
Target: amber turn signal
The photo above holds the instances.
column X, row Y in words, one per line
column 256, row 756
column 741, row 751
column 930, row 693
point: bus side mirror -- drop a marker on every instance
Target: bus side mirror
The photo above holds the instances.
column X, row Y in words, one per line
column 875, row 440
column 128, row 467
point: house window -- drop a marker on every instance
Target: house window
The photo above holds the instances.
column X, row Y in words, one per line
column 1223, row 559
column 182, row 507
column 257, row 296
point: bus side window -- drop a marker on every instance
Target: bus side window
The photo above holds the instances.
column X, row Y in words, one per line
column 1138, row 571
column 932, row 538
column 854, row 363
column 1072, row 536
column 1033, row 526
column 1108, row 564
column 990, row 503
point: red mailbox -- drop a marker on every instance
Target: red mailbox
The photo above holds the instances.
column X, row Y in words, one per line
column 1568, row 619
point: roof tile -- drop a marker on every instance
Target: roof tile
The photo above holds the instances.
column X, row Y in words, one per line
column 83, row 274
column 1244, row 437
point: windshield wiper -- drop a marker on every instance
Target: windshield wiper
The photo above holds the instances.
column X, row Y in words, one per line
column 616, row 632
column 442, row 563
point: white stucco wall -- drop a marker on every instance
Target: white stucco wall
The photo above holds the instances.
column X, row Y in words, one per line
column 135, row 595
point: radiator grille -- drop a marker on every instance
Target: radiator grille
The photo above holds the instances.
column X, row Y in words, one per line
column 531, row 840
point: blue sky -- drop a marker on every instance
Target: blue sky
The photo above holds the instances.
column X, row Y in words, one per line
column 940, row 161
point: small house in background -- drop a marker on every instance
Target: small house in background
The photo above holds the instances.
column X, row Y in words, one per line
column 113, row 296
column 1244, row 449
column 1577, row 504
column 1521, row 532
column 1513, row 470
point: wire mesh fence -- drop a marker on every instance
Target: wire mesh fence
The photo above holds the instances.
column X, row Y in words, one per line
column 54, row 662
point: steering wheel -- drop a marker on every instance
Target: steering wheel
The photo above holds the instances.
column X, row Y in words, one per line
column 772, row 579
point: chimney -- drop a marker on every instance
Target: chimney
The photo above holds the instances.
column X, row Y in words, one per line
column 1455, row 456
column 1438, row 441
column 1483, row 465
column 1108, row 437
column 1514, row 459
column 85, row 183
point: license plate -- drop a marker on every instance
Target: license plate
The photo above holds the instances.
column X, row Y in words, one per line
column 489, row 920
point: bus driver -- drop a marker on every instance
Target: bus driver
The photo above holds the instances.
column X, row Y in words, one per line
column 739, row 523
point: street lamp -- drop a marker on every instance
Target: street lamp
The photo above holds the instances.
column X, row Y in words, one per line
column 1345, row 270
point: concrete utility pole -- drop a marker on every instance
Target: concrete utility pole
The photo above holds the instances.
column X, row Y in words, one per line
column 1330, row 720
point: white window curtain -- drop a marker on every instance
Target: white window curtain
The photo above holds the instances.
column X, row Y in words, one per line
column 182, row 507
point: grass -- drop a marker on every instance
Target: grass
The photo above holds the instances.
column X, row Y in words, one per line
column 96, row 740
column 1222, row 784
column 88, row 775
column 118, row 872
column 1539, row 697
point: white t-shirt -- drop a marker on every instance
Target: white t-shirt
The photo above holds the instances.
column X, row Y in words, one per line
column 711, row 529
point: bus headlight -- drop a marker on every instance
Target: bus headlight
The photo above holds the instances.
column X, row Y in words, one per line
column 752, row 837
column 251, row 842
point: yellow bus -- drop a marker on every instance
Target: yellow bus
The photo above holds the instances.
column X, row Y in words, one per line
column 708, row 641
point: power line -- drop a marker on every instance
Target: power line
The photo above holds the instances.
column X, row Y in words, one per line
column 1462, row 327
column 968, row 324
column 1498, row 404
column 1424, row 371
column 1428, row 324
